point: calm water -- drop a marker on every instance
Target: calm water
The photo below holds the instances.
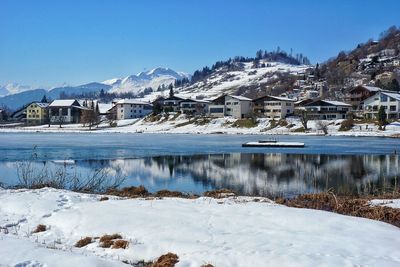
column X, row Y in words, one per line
column 196, row 163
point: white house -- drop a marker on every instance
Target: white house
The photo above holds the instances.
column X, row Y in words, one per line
column 230, row 105
column 389, row 100
column 327, row 110
column 273, row 107
column 131, row 109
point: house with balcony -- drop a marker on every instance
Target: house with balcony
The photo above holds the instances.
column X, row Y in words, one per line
column 171, row 104
column 194, row 107
column 356, row 96
column 389, row 100
column 327, row 110
column 37, row 113
column 65, row 111
column 230, row 105
column 131, row 109
column 273, row 107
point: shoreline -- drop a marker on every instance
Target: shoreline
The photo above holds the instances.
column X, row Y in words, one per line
column 217, row 231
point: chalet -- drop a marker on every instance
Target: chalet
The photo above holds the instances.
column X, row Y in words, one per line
column 356, row 96
column 171, row 104
column 273, row 107
column 37, row 113
column 65, row 111
column 389, row 100
column 132, row 109
column 194, row 107
column 230, row 105
column 327, row 110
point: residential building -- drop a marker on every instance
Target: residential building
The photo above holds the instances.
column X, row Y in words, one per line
column 273, row 107
column 230, row 105
column 327, row 110
column 171, row 104
column 194, row 107
column 37, row 113
column 356, row 96
column 389, row 100
column 132, row 109
column 65, row 111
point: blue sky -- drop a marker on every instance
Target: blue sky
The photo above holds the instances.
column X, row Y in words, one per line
column 45, row 43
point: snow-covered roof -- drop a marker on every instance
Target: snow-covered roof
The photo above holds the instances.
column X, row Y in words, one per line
column 132, row 102
column 62, row 103
column 336, row 103
column 104, row 108
column 372, row 88
column 238, row 97
column 282, row 98
column 42, row 105
column 392, row 95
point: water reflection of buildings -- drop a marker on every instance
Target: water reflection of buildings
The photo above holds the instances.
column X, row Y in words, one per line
column 264, row 174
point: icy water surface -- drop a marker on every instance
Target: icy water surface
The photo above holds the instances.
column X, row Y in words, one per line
column 196, row 163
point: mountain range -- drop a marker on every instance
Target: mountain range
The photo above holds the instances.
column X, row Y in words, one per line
column 14, row 96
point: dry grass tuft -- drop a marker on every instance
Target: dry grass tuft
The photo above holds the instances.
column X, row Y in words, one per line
column 104, row 198
column 106, row 244
column 120, row 244
column 110, row 237
column 40, row 228
column 166, row 260
column 131, row 192
column 220, row 193
column 84, row 242
column 346, row 205
column 207, row 265
column 167, row 193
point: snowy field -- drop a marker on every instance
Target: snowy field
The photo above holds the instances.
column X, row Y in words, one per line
column 228, row 232
column 184, row 125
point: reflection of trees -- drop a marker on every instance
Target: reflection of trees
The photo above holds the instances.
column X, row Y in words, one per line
column 267, row 174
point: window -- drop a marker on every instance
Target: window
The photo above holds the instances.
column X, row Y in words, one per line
column 228, row 103
column 392, row 108
column 384, row 98
column 140, row 111
column 216, row 110
column 288, row 104
column 122, row 110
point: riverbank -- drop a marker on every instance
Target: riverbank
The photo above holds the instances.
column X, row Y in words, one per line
column 181, row 124
column 228, row 231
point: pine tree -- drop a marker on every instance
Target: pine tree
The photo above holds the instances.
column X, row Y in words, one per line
column 382, row 118
column 171, row 90
column 44, row 99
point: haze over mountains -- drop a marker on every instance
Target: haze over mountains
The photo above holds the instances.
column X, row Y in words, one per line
column 14, row 96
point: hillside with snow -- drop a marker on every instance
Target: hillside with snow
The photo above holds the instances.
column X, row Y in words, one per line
column 243, row 79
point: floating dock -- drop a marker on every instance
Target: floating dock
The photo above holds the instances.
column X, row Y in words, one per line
column 272, row 144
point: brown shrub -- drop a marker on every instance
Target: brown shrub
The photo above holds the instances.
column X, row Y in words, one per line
column 220, row 193
column 346, row 205
column 106, row 244
column 166, row 260
column 40, row 228
column 118, row 244
column 207, row 265
column 167, row 193
column 346, row 125
column 83, row 242
column 104, row 198
column 132, row 192
column 105, row 238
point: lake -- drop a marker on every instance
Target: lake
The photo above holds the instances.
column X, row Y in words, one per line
column 197, row 163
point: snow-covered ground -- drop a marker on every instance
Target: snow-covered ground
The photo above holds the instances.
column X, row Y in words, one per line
column 392, row 203
column 228, row 232
column 182, row 124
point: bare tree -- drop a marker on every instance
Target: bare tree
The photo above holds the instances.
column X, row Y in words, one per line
column 322, row 126
column 89, row 118
column 302, row 113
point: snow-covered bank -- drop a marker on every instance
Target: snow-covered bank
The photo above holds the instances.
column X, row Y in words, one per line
column 186, row 125
column 227, row 232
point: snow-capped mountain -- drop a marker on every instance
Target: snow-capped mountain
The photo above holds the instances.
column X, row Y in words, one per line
column 149, row 79
column 13, row 88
